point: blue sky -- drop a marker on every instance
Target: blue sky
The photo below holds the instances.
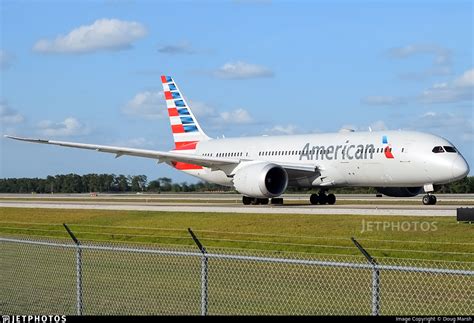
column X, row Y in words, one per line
column 89, row 71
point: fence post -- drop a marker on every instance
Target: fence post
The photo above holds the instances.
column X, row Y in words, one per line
column 78, row 271
column 375, row 279
column 204, row 274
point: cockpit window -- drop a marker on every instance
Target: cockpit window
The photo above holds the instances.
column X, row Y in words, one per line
column 450, row 149
column 438, row 149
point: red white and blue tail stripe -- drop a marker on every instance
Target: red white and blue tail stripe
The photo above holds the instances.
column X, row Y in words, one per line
column 187, row 132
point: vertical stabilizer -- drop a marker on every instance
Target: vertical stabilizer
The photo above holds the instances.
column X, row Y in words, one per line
column 186, row 130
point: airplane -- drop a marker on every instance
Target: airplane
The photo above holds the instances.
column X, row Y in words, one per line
column 395, row 163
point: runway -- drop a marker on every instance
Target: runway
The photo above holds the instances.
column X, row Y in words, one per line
column 237, row 198
column 230, row 203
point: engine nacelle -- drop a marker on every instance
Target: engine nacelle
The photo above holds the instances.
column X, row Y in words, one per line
column 400, row 191
column 261, row 180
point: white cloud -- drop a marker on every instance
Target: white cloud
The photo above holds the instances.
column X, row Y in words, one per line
column 206, row 112
column 147, row 104
column 238, row 116
column 103, row 34
column 69, row 127
column 9, row 115
column 382, row 100
column 378, row 125
column 241, row 70
column 458, row 90
column 6, row 59
column 445, row 123
column 152, row 105
column 202, row 110
column 134, row 142
column 442, row 55
column 441, row 64
column 289, row 129
column 175, row 49
column 465, row 80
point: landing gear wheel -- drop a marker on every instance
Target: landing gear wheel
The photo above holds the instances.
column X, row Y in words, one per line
column 331, row 199
column 323, row 198
column 426, row 200
column 429, row 199
column 314, row 199
column 246, row 200
column 263, row 201
column 277, row 201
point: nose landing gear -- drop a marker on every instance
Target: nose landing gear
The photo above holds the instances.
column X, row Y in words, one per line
column 429, row 199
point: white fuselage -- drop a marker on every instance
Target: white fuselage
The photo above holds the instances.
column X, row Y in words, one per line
column 376, row 159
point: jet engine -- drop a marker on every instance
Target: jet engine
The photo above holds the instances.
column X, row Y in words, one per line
column 261, row 180
column 400, row 191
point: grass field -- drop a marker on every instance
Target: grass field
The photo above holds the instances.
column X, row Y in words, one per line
column 40, row 279
column 429, row 238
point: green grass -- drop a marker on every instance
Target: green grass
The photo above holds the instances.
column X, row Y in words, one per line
column 39, row 279
column 276, row 233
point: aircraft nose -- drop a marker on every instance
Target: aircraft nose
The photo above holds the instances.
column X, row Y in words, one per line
column 460, row 168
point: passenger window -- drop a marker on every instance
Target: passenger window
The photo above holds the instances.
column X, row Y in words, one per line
column 450, row 149
column 438, row 149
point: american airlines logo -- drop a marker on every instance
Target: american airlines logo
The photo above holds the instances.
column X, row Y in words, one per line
column 388, row 149
column 344, row 152
column 333, row 152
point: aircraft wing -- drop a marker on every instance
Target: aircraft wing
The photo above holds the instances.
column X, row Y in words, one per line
column 162, row 156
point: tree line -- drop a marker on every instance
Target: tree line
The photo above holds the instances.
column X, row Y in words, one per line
column 73, row 183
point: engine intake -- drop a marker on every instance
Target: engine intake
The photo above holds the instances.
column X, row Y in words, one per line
column 400, row 191
column 261, row 180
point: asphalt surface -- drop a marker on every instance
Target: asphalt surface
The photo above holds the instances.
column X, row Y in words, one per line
column 231, row 203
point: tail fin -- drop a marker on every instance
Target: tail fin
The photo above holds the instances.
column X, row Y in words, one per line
column 186, row 130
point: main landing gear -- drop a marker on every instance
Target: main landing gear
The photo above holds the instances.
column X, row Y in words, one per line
column 322, row 198
column 429, row 199
column 247, row 200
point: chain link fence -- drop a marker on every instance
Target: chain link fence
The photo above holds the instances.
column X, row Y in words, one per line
column 54, row 276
